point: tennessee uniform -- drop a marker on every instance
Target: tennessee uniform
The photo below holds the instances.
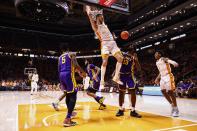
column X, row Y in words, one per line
column 167, row 78
column 34, row 81
column 166, row 81
column 108, row 44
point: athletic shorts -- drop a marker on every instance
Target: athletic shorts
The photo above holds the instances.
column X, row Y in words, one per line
column 68, row 82
column 109, row 47
column 128, row 81
column 167, row 82
column 94, row 87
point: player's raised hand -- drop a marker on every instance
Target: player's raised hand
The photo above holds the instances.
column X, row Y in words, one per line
column 176, row 65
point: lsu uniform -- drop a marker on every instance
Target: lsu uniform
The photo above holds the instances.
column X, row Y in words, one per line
column 108, row 44
column 67, row 73
column 127, row 73
column 95, row 84
column 167, row 78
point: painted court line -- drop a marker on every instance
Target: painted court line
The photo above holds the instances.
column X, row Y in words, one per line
column 159, row 114
column 44, row 120
column 164, row 129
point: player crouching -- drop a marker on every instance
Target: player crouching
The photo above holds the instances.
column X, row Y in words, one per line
column 93, row 72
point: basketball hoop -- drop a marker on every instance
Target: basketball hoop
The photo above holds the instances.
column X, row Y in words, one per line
column 28, row 71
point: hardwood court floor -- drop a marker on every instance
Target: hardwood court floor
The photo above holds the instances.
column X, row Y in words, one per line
column 42, row 117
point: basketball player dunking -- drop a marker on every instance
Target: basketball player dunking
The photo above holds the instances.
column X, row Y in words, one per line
column 166, row 80
column 108, row 44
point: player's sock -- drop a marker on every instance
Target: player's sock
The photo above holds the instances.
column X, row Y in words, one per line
column 121, row 108
column 132, row 108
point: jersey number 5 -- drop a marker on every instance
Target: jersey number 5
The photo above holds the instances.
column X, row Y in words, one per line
column 63, row 60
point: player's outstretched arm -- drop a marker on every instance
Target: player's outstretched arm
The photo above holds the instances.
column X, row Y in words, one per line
column 174, row 63
column 92, row 22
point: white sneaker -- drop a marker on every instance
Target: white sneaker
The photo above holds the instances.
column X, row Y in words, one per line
column 117, row 81
column 175, row 113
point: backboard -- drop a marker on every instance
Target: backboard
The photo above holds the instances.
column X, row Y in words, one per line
column 119, row 6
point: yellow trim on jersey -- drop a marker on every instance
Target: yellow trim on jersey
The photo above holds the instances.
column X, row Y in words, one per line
column 133, row 75
column 172, row 83
column 73, row 78
column 118, row 52
column 104, row 56
column 93, row 72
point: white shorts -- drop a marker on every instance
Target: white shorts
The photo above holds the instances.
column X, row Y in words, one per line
column 167, row 82
column 34, row 84
column 108, row 47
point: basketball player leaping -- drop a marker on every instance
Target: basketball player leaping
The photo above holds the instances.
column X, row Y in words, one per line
column 67, row 67
column 166, row 80
column 108, row 44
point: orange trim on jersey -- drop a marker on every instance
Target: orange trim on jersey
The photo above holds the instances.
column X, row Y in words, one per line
column 104, row 56
column 172, row 83
column 118, row 52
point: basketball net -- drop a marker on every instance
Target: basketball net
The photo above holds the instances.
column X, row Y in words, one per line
column 106, row 3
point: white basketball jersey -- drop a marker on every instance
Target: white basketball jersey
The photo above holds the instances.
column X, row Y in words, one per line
column 163, row 67
column 104, row 33
column 35, row 77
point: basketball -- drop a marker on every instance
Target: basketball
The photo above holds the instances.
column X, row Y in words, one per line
column 124, row 35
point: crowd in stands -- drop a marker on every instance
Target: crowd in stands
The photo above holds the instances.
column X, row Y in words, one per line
column 12, row 70
column 24, row 85
column 187, row 88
